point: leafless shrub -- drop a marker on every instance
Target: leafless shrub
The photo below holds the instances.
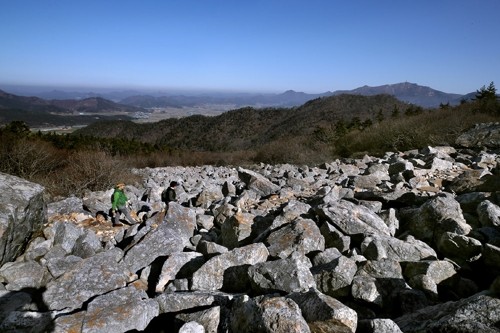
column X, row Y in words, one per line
column 29, row 159
column 91, row 170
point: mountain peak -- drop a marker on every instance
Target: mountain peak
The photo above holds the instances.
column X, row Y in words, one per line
column 407, row 92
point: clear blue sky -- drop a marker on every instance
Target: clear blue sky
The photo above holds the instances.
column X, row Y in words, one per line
column 259, row 45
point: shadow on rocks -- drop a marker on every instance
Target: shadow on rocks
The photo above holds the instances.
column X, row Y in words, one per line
column 25, row 310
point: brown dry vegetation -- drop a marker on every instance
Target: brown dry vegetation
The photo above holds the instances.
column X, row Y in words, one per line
column 430, row 128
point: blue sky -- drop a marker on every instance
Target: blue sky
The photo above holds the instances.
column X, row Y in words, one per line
column 256, row 46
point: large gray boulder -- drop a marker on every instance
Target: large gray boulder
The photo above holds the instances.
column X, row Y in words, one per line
column 27, row 274
column 301, row 235
column 211, row 275
column 283, row 275
column 438, row 215
column 377, row 247
column 22, row 213
column 211, row 319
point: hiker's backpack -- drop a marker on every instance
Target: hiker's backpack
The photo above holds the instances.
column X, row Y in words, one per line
column 164, row 195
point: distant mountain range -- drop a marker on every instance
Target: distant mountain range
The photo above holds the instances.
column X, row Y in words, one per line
column 407, row 92
column 36, row 111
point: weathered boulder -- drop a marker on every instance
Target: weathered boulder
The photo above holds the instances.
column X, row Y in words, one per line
column 378, row 326
column 237, row 229
column 192, row 327
column 379, row 282
column 211, row 319
column 66, row 234
column 488, row 213
column 22, row 213
column 429, row 274
column 283, row 275
column 478, row 180
column 335, row 278
column 324, row 313
column 209, row 195
column 267, row 314
column 301, row 235
column 377, row 247
column 20, row 275
column 459, row 248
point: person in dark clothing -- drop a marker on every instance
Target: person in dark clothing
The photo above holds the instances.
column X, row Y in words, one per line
column 169, row 194
column 119, row 206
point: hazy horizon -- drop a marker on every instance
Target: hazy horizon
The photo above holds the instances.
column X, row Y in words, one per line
column 41, row 89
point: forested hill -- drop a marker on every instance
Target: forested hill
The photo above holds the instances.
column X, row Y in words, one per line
column 248, row 127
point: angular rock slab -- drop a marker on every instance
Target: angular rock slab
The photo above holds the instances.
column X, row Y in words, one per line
column 324, row 313
column 257, row 182
column 171, row 236
column 179, row 301
column 353, row 219
column 91, row 277
column 479, row 313
column 174, row 264
column 121, row 310
column 335, row 278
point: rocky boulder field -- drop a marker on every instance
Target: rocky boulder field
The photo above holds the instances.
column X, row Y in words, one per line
column 407, row 242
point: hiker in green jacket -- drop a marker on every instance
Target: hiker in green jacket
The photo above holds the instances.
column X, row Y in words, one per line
column 119, row 206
